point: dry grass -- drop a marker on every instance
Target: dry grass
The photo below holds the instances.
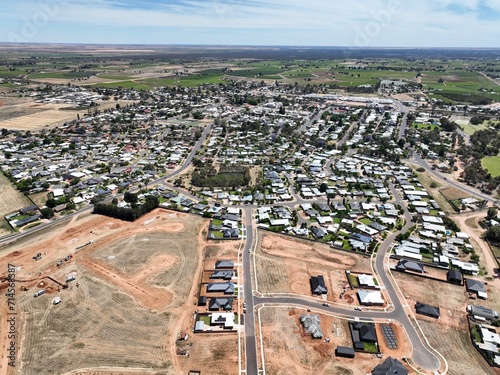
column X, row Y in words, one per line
column 285, row 265
column 10, row 200
column 452, row 193
column 288, row 350
column 456, row 347
column 96, row 325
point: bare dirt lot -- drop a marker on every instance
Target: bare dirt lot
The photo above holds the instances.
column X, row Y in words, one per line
column 456, row 347
column 135, row 282
column 289, row 350
column 416, row 289
column 10, row 200
column 285, row 265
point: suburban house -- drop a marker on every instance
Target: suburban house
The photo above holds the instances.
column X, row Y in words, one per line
column 222, row 274
column 312, row 325
column 477, row 287
column 318, row 285
column 454, row 277
column 344, row 351
column 216, row 304
column 366, row 281
column 224, row 264
column 370, row 297
column 427, row 310
column 362, row 333
column 408, row 265
column 481, row 312
column 224, row 320
column 390, row 366
column 226, row 288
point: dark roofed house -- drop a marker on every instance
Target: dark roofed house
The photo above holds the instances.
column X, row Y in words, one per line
column 28, row 209
column 222, row 274
column 202, row 301
column 454, row 277
column 216, row 304
column 231, row 233
column 226, row 288
column 318, row 285
column 390, row 366
column 408, row 265
column 318, row 232
column 427, row 310
column 364, row 332
column 476, row 286
column 224, row 264
column 344, row 351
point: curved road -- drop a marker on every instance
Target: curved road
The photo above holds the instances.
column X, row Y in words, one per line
column 421, row 355
column 421, row 162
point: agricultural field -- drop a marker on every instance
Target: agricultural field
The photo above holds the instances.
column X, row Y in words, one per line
column 130, row 303
column 285, row 265
column 455, row 345
column 11, row 200
column 492, row 165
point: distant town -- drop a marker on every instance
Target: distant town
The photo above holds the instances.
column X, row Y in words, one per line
column 352, row 220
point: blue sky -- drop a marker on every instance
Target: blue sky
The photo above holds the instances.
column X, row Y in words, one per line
column 389, row 23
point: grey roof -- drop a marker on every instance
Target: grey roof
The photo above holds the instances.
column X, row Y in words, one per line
column 226, row 288
column 312, row 325
column 475, row 286
column 224, row 264
column 390, row 366
column 222, row 274
column 404, row 265
column 483, row 312
column 428, row 310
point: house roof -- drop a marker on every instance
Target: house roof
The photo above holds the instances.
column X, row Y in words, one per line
column 318, row 285
column 390, row 366
column 370, row 297
column 405, row 264
column 224, row 264
column 454, row 275
column 428, row 310
column 475, row 286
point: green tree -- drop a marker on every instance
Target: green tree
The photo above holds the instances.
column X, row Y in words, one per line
column 492, row 213
column 47, row 212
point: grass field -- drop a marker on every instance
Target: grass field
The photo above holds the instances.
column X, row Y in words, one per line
column 10, row 200
column 471, row 129
column 492, row 165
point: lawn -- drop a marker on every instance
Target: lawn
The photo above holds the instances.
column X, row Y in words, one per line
column 471, row 129
column 492, row 165
column 370, row 347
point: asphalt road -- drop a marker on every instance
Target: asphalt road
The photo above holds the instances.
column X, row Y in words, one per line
column 474, row 192
column 250, row 340
column 421, row 356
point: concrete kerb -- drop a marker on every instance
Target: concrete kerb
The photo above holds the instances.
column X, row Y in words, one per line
column 422, row 335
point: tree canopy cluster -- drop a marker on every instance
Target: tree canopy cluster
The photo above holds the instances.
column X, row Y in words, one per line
column 125, row 213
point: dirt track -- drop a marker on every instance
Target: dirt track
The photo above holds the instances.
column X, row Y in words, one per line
column 163, row 251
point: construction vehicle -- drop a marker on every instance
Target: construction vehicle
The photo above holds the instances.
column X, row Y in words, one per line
column 38, row 256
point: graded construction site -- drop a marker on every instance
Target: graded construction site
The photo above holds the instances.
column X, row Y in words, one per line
column 133, row 293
